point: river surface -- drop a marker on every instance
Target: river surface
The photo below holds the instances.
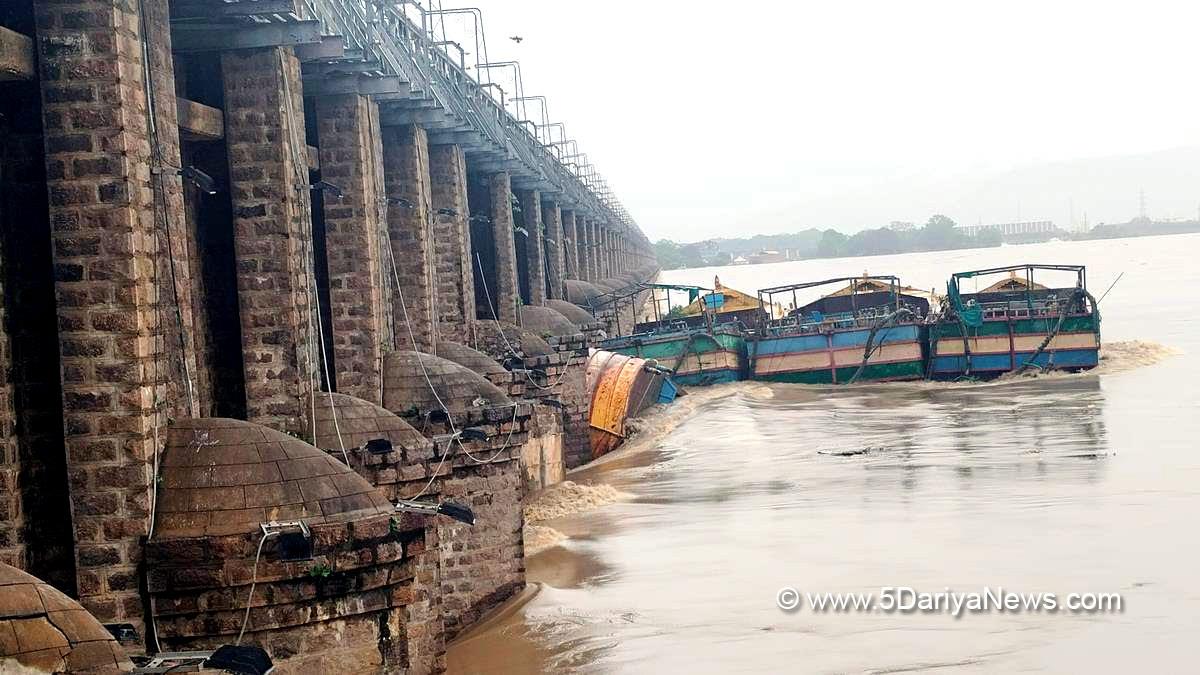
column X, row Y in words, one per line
column 1068, row 484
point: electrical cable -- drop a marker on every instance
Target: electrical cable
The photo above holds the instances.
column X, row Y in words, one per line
column 253, row 583
column 310, row 271
column 456, row 435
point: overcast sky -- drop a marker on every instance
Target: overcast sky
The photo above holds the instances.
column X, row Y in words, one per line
column 728, row 119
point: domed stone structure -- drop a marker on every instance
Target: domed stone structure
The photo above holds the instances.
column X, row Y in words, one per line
column 581, row 292
column 469, row 358
column 608, row 285
column 44, row 631
column 574, row 313
column 223, row 476
column 353, row 422
column 499, row 340
column 546, row 322
column 328, row 596
column 460, row 389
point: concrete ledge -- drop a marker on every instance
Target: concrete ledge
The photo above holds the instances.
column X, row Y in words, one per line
column 199, row 122
column 16, row 56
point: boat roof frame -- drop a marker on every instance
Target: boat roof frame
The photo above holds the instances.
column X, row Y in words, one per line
column 629, row 291
column 1079, row 270
column 893, row 282
column 891, row 278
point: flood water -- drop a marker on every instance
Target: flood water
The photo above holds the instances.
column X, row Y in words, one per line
column 1058, row 485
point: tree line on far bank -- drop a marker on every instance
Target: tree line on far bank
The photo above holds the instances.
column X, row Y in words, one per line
column 940, row 233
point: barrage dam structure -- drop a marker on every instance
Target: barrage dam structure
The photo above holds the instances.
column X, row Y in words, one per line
column 268, row 267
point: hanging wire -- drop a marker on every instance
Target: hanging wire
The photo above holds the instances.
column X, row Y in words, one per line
column 456, row 435
column 300, row 170
column 500, row 329
column 253, row 583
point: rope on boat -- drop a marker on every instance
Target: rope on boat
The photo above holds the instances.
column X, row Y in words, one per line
column 871, row 345
column 1077, row 296
column 687, row 347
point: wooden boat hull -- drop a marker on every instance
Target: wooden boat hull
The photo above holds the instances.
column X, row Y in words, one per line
column 697, row 358
column 1004, row 345
column 833, row 357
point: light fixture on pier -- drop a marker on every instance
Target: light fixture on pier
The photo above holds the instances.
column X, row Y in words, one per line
column 201, row 180
column 458, row 512
column 326, row 186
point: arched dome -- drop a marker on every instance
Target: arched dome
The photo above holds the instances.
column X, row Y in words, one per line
column 405, row 387
column 359, row 422
column 45, row 631
column 469, row 358
column 581, row 292
column 608, row 285
column 546, row 321
column 224, row 476
column 501, row 338
column 574, row 313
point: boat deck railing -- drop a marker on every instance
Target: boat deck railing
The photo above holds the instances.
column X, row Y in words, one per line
column 800, row 325
column 841, row 321
column 1018, row 309
column 675, row 329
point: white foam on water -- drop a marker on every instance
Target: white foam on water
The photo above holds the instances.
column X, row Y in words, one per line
column 568, row 497
column 541, row 537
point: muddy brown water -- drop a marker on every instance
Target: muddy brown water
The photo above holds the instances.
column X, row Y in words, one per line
column 1061, row 484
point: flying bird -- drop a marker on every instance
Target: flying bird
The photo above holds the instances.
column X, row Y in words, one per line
column 516, row 38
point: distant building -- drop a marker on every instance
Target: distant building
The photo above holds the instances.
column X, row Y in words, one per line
column 740, row 260
column 765, row 257
column 901, row 226
column 1011, row 229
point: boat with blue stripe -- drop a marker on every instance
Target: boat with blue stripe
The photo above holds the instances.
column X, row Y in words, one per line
column 1015, row 324
column 870, row 331
column 699, row 343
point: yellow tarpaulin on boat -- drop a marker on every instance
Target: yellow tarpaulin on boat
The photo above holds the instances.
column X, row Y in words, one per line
column 734, row 301
column 1013, row 283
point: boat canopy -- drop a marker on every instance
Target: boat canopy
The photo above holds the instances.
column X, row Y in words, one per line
column 863, row 292
column 1013, row 288
column 720, row 300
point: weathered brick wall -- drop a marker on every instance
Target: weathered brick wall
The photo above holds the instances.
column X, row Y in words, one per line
column 355, row 236
column 452, row 242
column 504, row 289
column 122, row 369
column 605, row 252
column 570, row 247
column 535, row 267
column 593, row 244
column 542, row 455
column 345, row 610
column 552, row 221
column 268, row 169
column 406, row 177
column 34, row 441
column 562, row 378
column 201, row 337
column 581, row 248
column 600, row 251
column 478, row 567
